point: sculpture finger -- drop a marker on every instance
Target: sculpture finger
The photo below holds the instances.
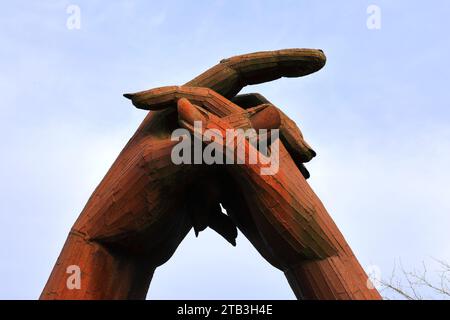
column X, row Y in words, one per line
column 204, row 210
column 293, row 139
column 232, row 74
column 165, row 97
column 223, row 225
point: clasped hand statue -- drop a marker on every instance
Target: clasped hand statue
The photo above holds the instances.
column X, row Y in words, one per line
column 146, row 204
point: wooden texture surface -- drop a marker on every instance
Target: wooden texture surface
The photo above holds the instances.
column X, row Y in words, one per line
column 145, row 205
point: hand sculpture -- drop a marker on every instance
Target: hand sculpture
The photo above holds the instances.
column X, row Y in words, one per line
column 146, row 204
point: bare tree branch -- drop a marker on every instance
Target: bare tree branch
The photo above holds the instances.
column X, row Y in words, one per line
column 418, row 283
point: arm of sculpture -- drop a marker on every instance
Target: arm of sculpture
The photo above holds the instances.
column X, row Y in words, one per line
column 289, row 224
column 129, row 226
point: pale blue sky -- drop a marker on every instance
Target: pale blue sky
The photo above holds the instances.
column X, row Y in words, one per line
column 378, row 116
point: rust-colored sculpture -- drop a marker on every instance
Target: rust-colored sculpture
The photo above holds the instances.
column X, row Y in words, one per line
column 146, row 204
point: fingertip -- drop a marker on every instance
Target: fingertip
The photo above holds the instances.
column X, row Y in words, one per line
column 267, row 118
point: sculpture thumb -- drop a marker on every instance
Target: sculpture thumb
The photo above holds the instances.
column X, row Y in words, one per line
column 189, row 113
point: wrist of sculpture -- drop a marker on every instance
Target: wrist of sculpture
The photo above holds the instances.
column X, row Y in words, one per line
column 339, row 277
column 89, row 270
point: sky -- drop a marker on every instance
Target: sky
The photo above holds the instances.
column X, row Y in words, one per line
column 377, row 115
